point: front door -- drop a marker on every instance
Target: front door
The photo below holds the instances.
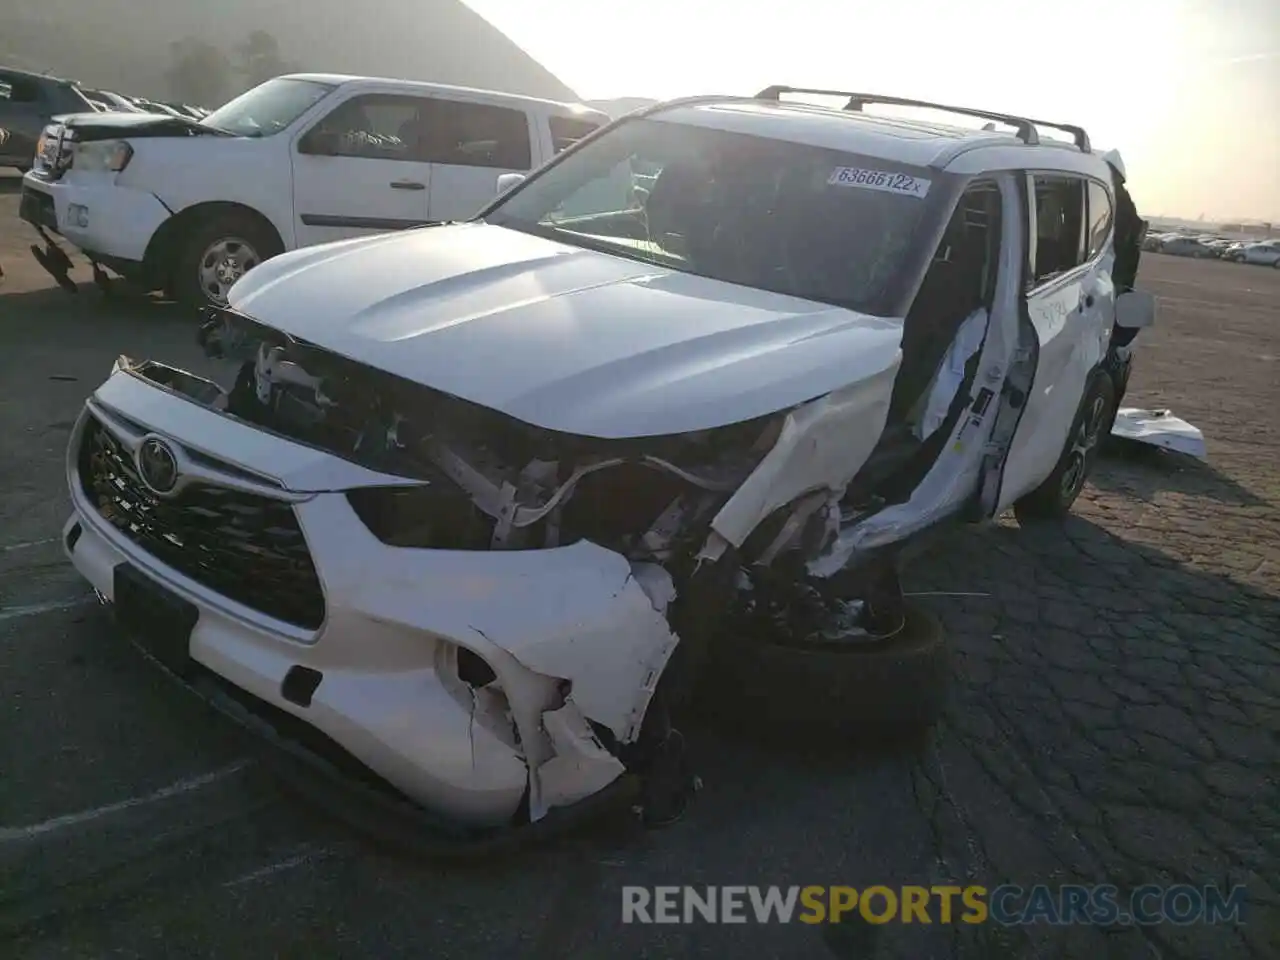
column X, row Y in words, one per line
column 360, row 171
column 470, row 145
column 1067, row 304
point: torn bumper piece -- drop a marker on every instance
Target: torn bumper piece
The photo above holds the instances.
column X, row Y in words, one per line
column 347, row 793
column 1159, row 428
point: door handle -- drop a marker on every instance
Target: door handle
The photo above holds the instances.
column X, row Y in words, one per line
column 407, row 185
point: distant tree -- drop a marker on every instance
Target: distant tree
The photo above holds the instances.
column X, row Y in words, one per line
column 199, row 73
column 258, row 58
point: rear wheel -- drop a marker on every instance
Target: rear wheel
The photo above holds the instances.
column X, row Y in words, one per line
column 1053, row 498
column 216, row 254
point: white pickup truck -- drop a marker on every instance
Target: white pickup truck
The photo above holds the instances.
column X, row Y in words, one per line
column 189, row 206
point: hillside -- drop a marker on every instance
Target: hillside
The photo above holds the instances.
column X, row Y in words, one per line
column 124, row 45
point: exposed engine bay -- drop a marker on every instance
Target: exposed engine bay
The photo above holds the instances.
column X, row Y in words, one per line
column 476, row 479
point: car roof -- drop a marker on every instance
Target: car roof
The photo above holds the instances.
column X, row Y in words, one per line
column 349, row 80
column 909, row 141
column 12, row 72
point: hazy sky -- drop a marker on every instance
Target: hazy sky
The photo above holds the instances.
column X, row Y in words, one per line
column 1189, row 90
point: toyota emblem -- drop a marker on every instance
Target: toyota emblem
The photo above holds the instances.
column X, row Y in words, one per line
column 157, row 465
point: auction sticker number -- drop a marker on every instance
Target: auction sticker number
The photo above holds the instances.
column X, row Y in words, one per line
column 879, row 180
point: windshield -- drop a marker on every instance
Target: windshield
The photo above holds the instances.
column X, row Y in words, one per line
column 268, row 108
column 771, row 214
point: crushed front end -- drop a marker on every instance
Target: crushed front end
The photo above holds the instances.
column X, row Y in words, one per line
column 493, row 619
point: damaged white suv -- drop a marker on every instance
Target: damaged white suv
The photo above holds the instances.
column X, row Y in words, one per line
column 487, row 501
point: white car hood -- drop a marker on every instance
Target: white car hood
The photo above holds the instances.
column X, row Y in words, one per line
column 561, row 337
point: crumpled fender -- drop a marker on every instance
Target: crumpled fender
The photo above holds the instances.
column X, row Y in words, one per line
column 822, row 446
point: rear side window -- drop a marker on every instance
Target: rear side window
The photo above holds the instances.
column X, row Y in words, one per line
column 19, row 90
column 1100, row 218
column 566, row 131
column 475, row 135
column 1060, row 239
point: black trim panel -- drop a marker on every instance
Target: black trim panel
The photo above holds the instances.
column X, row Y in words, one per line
column 362, row 223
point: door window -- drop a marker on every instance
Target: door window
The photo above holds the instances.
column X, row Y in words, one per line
column 1100, row 217
column 566, row 131
column 375, row 126
column 475, row 135
column 19, row 90
column 1060, row 226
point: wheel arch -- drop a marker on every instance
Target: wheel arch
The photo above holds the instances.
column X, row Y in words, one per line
column 166, row 243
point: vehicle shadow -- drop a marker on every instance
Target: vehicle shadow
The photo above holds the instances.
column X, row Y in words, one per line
column 10, row 185
column 1143, row 471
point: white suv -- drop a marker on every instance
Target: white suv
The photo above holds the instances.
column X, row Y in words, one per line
column 190, row 205
column 486, row 502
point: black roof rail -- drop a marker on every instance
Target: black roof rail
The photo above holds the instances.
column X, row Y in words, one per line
column 1077, row 133
column 1026, row 128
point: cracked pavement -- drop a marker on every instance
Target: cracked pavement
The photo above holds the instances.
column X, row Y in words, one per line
column 1115, row 716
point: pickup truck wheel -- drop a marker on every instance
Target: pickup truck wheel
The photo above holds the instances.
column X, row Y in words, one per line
column 867, row 690
column 217, row 253
column 1053, row 498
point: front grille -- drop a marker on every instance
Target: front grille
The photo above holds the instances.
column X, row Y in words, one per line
column 243, row 546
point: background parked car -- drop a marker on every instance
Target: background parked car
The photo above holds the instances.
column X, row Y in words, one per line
column 1266, row 253
column 27, row 103
column 110, row 101
column 1188, row 247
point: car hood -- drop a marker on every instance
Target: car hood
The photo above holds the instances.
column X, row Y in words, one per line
column 100, row 126
column 562, row 337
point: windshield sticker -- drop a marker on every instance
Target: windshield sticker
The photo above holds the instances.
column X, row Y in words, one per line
column 879, row 180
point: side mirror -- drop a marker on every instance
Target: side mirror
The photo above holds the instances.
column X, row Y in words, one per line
column 508, row 180
column 1135, row 310
column 320, row 143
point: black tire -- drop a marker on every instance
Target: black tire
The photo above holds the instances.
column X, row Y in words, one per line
column 890, row 690
column 239, row 231
column 1052, row 500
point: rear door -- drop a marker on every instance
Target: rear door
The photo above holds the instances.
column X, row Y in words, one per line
column 359, row 170
column 470, row 144
column 1069, row 302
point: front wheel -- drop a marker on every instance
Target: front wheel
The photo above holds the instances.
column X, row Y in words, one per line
column 888, row 691
column 1053, row 498
column 216, row 254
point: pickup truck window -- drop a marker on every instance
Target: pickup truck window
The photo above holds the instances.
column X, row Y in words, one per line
column 17, row 90
column 375, row 126
column 771, row 214
column 268, row 108
column 566, row 131
column 475, row 135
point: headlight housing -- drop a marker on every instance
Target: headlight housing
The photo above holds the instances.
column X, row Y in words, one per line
column 109, row 155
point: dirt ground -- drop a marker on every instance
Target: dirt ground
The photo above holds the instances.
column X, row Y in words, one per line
column 1115, row 718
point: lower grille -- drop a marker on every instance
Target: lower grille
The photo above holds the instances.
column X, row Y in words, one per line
column 244, row 546
column 37, row 208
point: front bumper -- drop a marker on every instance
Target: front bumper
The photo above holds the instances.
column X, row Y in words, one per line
column 108, row 222
column 382, row 814
column 394, row 620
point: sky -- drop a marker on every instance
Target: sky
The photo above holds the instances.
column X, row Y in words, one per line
column 1187, row 90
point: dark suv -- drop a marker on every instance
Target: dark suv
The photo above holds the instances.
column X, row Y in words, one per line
column 27, row 102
